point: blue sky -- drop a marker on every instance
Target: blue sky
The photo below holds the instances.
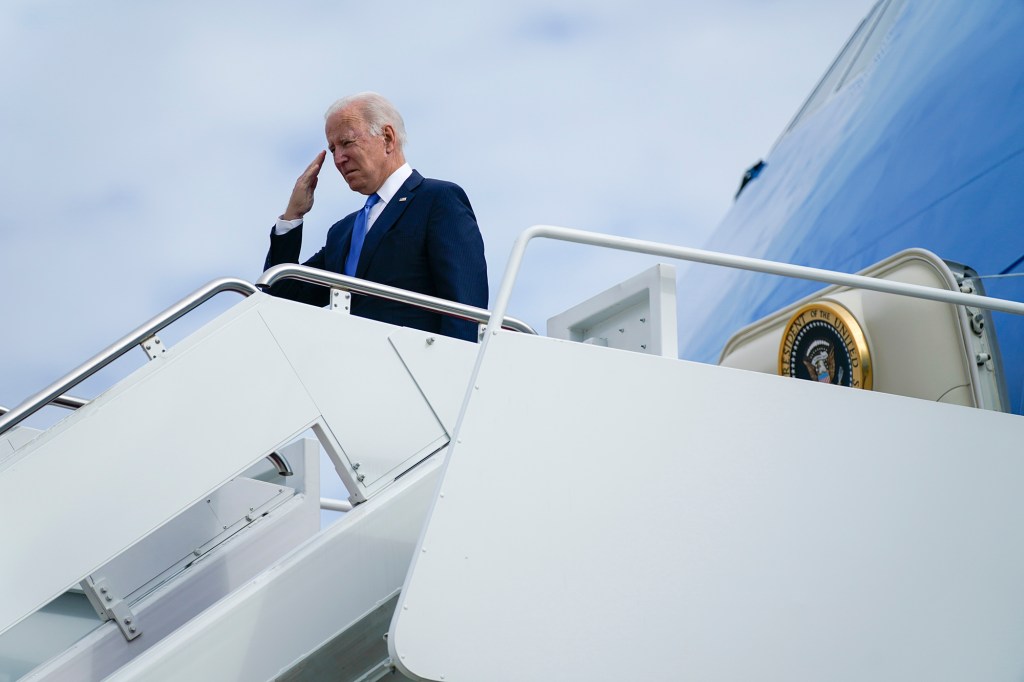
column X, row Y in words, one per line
column 147, row 147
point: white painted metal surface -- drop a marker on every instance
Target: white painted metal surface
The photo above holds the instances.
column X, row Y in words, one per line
column 14, row 439
column 197, row 416
column 181, row 596
column 49, row 631
column 361, row 387
column 441, row 368
column 126, row 468
column 767, row 529
column 190, row 535
column 318, row 591
column 330, row 504
column 638, row 314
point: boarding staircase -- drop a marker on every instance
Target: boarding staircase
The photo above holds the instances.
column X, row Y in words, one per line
column 163, row 463
column 522, row 508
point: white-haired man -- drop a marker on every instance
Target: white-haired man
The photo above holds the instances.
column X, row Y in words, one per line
column 413, row 233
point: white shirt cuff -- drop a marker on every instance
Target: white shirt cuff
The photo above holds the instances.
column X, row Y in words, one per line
column 283, row 225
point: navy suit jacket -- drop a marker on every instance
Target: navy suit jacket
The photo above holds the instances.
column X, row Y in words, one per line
column 426, row 240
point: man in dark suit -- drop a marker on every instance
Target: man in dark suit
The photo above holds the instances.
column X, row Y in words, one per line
column 414, row 233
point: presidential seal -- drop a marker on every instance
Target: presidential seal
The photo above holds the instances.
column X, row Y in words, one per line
column 823, row 342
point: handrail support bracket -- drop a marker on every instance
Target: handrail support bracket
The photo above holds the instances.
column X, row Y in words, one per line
column 153, row 347
column 109, row 606
column 341, row 300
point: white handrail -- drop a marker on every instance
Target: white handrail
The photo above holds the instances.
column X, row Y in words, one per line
column 740, row 262
column 120, row 347
column 711, row 258
column 304, row 273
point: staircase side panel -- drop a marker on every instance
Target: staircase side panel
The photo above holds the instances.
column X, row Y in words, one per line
column 368, row 398
column 610, row 515
column 287, row 613
column 141, row 453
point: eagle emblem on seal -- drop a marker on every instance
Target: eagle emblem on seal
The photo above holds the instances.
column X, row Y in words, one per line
column 820, row 361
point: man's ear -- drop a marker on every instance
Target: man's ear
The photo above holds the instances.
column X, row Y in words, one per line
column 389, row 138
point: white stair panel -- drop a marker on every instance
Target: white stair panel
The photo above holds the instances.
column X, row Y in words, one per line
column 143, row 452
column 636, row 517
column 324, row 587
column 232, row 563
column 370, row 404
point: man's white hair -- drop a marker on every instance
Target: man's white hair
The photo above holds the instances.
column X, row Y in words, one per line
column 376, row 111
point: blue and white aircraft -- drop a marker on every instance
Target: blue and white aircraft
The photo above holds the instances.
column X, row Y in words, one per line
column 913, row 138
column 532, row 508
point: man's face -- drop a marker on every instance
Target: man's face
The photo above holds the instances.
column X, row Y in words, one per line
column 361, row 158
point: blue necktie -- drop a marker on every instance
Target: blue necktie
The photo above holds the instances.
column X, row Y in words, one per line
column 359, row 235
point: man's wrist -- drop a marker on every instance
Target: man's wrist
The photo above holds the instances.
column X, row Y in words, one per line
column 285, row 224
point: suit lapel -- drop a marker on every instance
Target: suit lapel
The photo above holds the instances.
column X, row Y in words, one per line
column 392, row 212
